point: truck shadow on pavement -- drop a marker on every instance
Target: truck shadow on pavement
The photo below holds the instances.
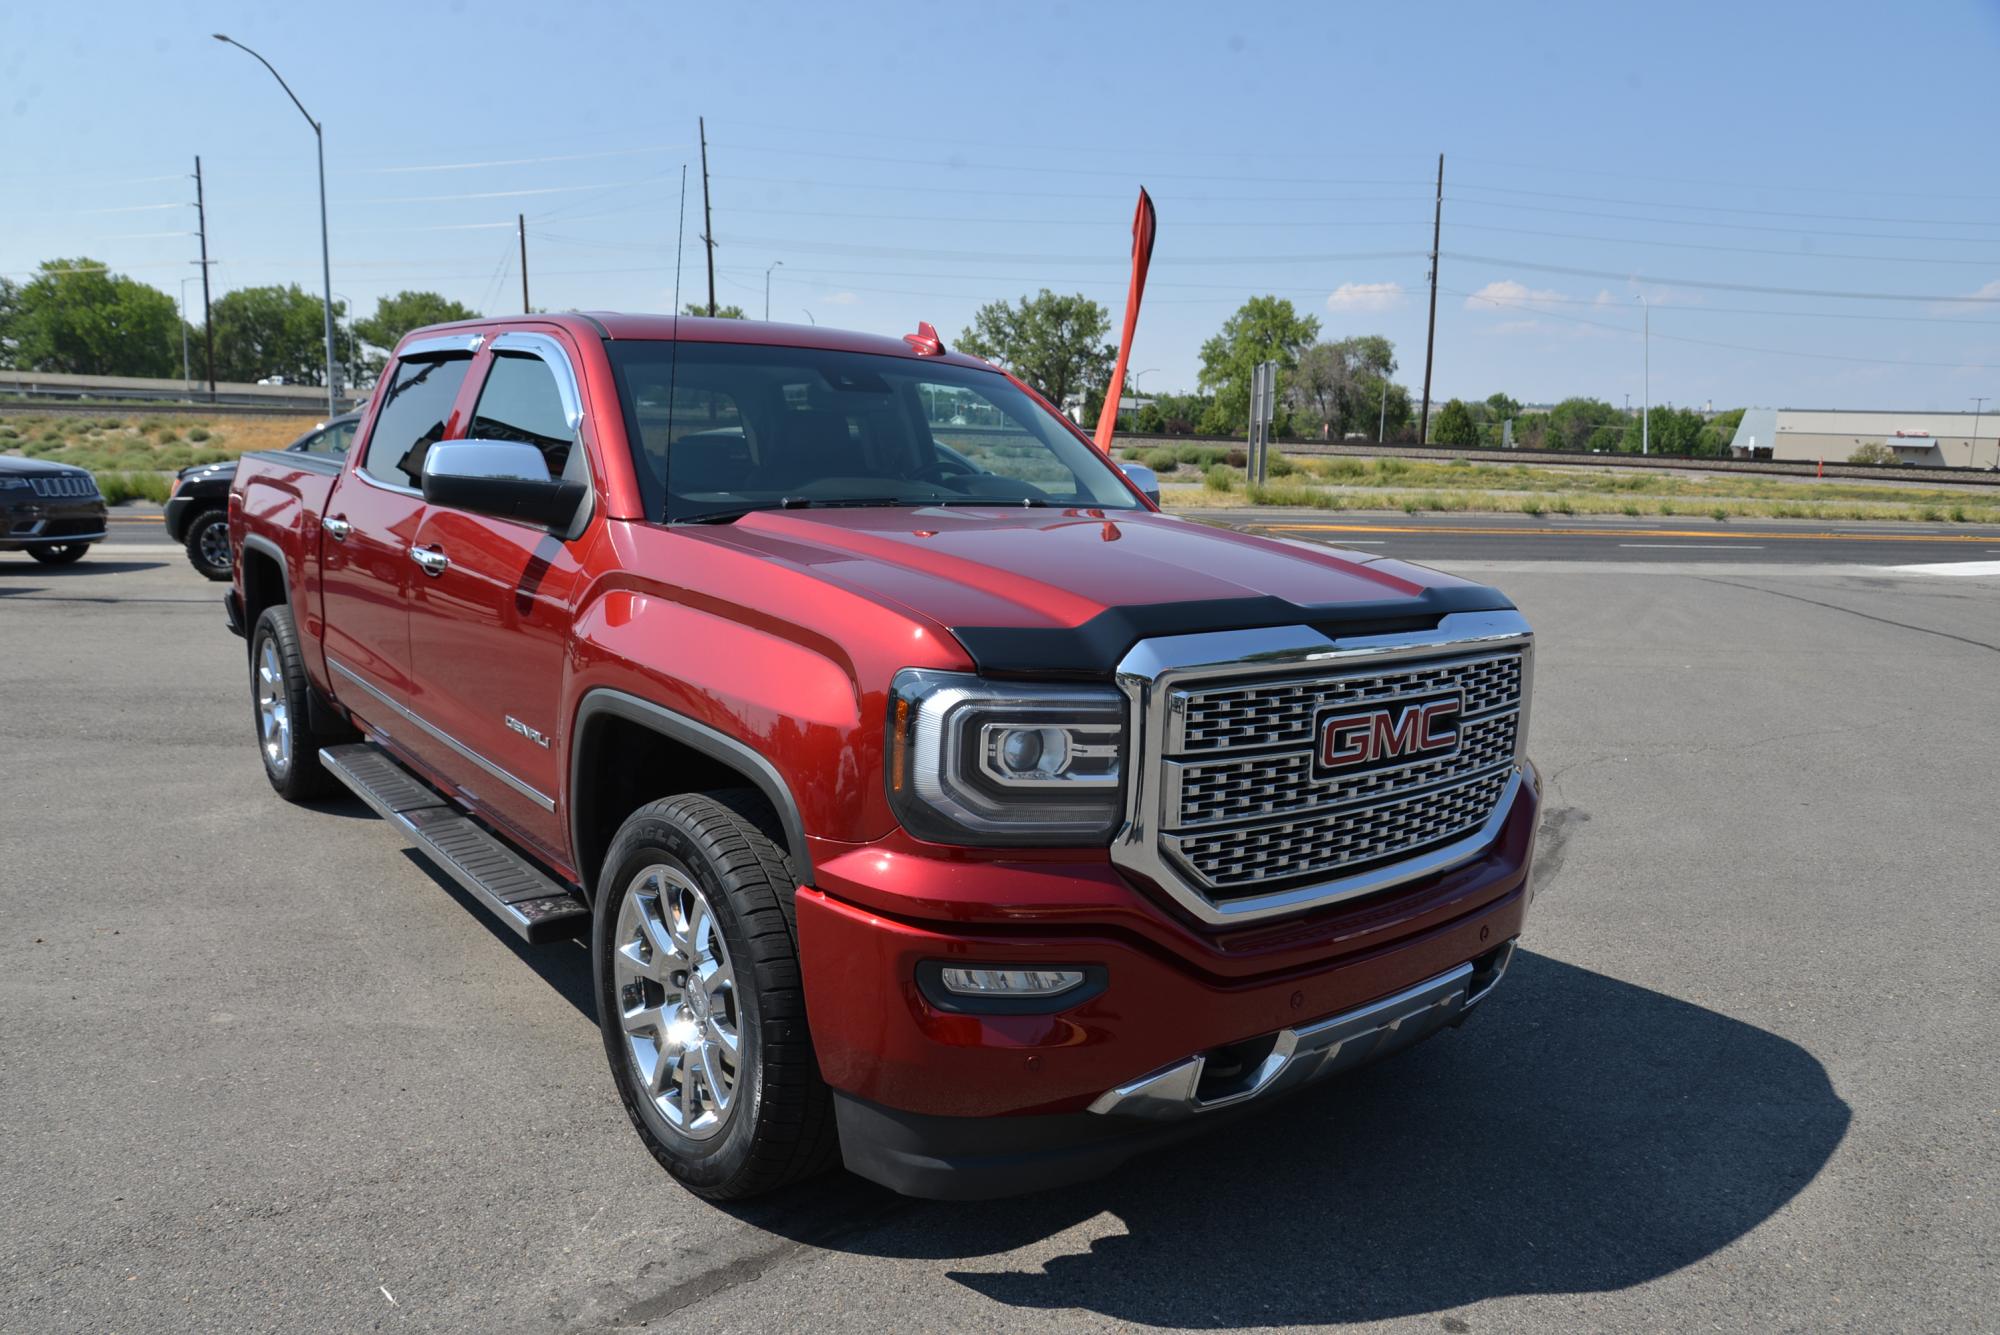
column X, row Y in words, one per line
column 1580, row 1134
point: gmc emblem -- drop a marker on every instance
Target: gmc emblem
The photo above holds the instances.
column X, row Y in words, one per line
column 1353, row 740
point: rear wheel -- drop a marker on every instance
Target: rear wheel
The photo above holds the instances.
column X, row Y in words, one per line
column 279, row 698
column 208, row 544
column 699, row 994
column 59, row 553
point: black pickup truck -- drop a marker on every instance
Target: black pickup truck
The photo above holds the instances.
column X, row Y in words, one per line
column 198, row 511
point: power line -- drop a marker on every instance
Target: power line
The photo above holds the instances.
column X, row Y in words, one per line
column 1733, row 347
column 1722, row 208
column 1710, row 223
column 1722, row 287
column 1977, row 262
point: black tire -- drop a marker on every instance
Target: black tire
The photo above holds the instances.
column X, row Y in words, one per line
column 59, row 553
column 780, row 1128
column 297, row 775
column 203, row 533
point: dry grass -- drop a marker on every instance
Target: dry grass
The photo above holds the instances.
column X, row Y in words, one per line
column 140, row 443
column 1306, row 496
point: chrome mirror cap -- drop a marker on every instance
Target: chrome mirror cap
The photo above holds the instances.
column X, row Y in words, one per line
column 1145, row 479
column 509, row 459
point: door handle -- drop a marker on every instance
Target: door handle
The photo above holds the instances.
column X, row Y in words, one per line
column 433, row 561
column 336, row 527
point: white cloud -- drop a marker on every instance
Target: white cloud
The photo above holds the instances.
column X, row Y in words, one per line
column 1365, row 297
column 1505, row 293
column 1987, row 292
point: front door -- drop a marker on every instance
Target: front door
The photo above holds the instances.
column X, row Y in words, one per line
column 368, row 531
column 490, row 621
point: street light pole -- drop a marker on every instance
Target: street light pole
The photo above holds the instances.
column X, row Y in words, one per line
column 1978, row 411
column 325, row 255
column 774, row 264
column 1646, row 402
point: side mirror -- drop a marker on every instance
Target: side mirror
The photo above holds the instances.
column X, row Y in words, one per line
column 1145, row 479
column 502, row 478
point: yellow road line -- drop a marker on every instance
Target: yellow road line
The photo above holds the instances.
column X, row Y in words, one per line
column 1759, row 534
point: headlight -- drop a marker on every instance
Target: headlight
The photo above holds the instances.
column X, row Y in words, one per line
column 972, row 761
column 13, row 484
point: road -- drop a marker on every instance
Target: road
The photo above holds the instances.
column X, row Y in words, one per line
column 262, row 1069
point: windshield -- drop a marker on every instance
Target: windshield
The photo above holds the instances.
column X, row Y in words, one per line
column 741, row 427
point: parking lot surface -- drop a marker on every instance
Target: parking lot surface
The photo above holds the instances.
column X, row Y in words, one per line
column 262, row 1069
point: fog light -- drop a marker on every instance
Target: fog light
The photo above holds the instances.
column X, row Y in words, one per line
column 1009, row 982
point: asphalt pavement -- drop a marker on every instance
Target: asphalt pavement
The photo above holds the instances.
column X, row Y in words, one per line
column 262, row 1069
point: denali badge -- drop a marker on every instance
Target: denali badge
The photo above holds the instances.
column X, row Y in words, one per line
column 537, row 738
column 1364, row 739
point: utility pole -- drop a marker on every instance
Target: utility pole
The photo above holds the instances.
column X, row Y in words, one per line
column 1382, row 422
column 1971, row 454
column 707, row 219
column 521, row 225
column 1430, row 335
column 207, row 324
column 1646, row 386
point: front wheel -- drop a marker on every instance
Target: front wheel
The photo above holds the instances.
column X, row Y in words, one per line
column 279, row 692
column 701, row 1002
column 59, row 553
column 208, row 544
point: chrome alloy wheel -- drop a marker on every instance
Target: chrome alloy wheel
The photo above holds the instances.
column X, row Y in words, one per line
column 274, row 715
column 676, row 998
column 214, row 545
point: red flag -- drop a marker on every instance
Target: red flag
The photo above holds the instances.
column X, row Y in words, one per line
column 1144, row 224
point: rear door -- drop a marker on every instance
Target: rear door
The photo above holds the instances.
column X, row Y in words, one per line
column 489, row 629
column 370, row 526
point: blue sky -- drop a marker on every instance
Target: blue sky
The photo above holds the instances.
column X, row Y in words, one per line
column 912, row 162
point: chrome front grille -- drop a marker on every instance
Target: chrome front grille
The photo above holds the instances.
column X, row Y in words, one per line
column 1237, row 815
column 64, row 486
column 1237, row 717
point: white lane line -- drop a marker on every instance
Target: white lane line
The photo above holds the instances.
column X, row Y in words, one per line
column 1700, row 546
column 1360, row 542
column 1957, row 568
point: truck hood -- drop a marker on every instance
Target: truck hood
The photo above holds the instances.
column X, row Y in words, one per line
column 1070, row 590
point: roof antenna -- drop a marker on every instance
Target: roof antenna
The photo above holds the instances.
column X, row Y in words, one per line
column 674, row 363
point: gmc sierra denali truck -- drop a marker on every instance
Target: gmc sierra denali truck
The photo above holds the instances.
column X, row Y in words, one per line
column 930, row 801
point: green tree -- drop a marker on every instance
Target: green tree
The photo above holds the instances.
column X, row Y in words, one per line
column 266, row 331
column 1171, row 415
column 1665, row 431
column 1502, row 407
column 1336, row 387
column 75, row 317
column 10, row 301
column 721, row 312
column 398, row 315
column 1055, row 343
column 1873, row 452
column 1454, row 425
column 1263, row 329
column 1573, row 422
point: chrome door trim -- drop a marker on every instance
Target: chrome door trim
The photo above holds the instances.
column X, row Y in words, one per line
column 551, row 352
column 534, row 795
column 1150, row 671
column 437, row 343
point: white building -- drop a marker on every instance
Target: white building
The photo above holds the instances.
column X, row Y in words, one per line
column 1959, row 440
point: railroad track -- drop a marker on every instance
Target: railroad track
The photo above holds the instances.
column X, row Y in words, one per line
column 23, row 408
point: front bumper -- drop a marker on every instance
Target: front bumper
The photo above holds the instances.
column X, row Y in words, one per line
column 1193, row 1024
column 36, row 522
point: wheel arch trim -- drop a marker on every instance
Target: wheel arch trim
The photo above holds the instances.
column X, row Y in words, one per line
column 607, row 702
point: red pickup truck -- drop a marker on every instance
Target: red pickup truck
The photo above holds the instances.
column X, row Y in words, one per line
column 931, row 801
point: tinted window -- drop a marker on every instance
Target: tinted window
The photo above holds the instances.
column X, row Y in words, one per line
column 334, row 440
column 519, row 401
column 416, row 404
column 727, row 427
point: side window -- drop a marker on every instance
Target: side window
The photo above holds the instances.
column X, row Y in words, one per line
column 335, row 440
column 416, row 404
column 520, row 402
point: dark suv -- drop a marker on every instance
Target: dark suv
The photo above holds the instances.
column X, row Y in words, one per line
column 53, row 512
column 198, row 512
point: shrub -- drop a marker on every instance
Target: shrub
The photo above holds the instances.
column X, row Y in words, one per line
column 1221, row 477
column 1279, row 465
column 1531, row 507
column 1160, row 461
column 118, row 488
column 1957, row 514
column 1236, row 459
column 1392, row 467
column 1630, row 509
column 1719, row 513
column 197, row 433
column 1563, row 505
column 1874, row 452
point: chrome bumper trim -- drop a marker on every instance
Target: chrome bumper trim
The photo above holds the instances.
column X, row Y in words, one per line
column 1310, row 1052
column 51, row 539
